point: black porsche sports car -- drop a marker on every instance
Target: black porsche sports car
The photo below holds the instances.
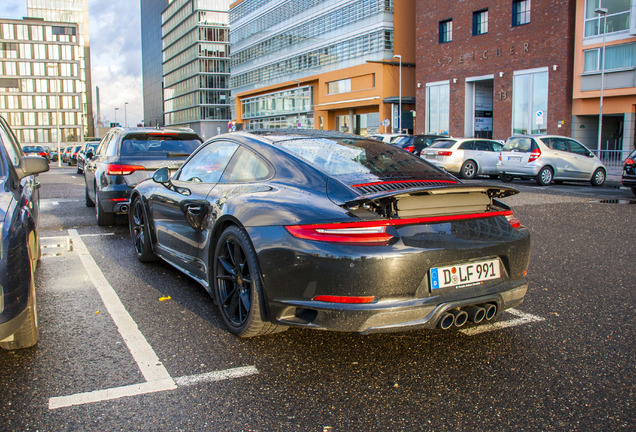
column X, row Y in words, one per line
column 331, row 231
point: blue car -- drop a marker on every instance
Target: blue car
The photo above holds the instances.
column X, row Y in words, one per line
column 19, row 216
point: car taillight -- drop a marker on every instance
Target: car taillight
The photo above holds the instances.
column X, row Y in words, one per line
column 444, row 153
column 512, row 220
column 42, row 154
column 410, row 149
column 118, row 169
column 374, row 233
column 355, row 233
column 629, row 162
column 534, row 155
column 344, row 299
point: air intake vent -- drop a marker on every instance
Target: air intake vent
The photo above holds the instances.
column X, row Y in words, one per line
column 368, row 188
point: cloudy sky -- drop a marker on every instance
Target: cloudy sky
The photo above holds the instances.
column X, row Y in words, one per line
column 115, row 55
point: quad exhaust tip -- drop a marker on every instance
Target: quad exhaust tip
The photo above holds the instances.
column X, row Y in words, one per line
column 475, row 314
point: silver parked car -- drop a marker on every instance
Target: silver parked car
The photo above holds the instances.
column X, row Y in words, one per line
column 549, row 158
column 467, row 157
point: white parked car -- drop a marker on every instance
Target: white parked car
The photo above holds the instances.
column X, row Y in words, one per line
column 549, row 158
column 467, row 157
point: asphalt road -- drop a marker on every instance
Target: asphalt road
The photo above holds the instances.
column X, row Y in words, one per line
column 563, row 360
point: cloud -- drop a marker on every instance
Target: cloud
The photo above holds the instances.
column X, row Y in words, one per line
column 116, row 58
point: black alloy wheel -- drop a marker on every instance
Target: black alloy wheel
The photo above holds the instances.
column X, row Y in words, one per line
column 237, row 285
column 103, row 218
column 139, row 232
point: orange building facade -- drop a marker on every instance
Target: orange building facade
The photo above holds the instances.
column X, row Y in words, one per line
column 619, row 70
column 337, row 69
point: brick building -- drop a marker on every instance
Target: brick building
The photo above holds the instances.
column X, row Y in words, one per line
column 490, row 69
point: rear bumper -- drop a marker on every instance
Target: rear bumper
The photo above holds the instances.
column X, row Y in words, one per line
column 528, row 170
column 629, row 180
column 393, row 316
column 115, row 199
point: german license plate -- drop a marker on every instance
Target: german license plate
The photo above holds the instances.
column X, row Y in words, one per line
column 465, row 275
column 514, row 158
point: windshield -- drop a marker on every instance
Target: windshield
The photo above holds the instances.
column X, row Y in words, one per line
column 159, row 145
column 352, row 156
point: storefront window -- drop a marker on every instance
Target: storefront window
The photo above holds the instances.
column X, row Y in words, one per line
column 530, row 102
column 437, row 104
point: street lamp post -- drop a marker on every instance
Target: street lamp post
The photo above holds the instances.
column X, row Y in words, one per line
column 603, row 13
column 398, row 56
column 57, row 111
column 116, row 109
column 125, row 115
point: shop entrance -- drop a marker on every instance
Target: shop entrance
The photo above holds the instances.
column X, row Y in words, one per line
column 479, row 107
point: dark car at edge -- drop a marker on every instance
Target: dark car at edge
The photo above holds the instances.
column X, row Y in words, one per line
column 20, row 241
column 331, row 231
column 629, row 172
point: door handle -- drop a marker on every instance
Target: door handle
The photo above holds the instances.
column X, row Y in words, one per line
column 194, row 209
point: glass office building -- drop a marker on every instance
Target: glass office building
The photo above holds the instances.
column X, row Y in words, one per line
column 152, row 61
column 196, row 65
column 40, row 80
column 325, row 64
column 72, row 11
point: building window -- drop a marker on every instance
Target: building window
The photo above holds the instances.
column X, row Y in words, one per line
column 341, row 86
column 520, row 12
column 480, row 22
column 616, row 57
column 529, row 96
column 618, row 16
column 445, row 31
column 437, row 107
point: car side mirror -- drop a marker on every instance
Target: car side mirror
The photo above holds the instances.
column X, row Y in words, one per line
column 162, row 175
column 89, row 154
column 590, row 154
column 30, row 165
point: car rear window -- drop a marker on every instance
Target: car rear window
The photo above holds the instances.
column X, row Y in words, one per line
column 351, row 156
column 32, row 149
column 402, row 141
column 519, row 144
column 443, row 144
column 145, row 145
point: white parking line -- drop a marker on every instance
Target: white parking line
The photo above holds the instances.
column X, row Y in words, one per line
column 157, row 377
column 216, row 376
column 524, row 318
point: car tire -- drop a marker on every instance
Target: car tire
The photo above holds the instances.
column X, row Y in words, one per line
column 103, row 218
column 634, row 190
column 79, row 170
column 598, row 178
column 28, row 334
column 139, row 232
column 505, row 178
column 87, row 199
column 468, row 170
column 237, row 286
column 545, row 176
